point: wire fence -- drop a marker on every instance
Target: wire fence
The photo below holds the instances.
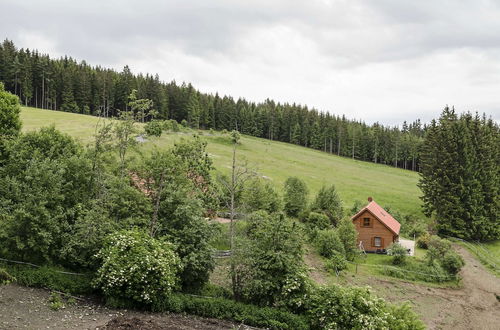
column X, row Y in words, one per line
column 37, row 266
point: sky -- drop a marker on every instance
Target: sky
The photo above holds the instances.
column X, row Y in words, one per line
column 378, row 61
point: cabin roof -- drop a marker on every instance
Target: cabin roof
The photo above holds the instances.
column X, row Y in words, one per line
column 382, row 215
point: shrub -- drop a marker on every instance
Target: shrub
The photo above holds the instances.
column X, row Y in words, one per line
column 437, row 248
column 184, row 123
column 265, row 317
column 5, row 277
column 261, row 195
column 423, row 240
column 268, row 263
column 55, row 301
column 452, row 262
column 317, row 221
column 153, row 128
column 295, row 197
column 137, row 267
column 337, row 263
column 335, row 307
column 328, row 242
column 399, row 254
column 10, row 122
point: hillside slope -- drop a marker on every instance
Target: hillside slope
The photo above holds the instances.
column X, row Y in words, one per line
column 355, row 180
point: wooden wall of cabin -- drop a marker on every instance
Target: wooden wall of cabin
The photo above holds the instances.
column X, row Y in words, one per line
column 377, row 229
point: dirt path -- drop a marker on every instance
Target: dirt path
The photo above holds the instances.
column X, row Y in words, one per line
column 28, row 308
column 317, row 270
column 474, row 306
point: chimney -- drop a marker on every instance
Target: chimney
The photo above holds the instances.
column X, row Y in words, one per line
column 370, row 199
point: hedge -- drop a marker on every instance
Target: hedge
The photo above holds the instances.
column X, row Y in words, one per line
column 226, row 309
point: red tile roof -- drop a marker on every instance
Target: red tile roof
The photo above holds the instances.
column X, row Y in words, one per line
column 381, row 214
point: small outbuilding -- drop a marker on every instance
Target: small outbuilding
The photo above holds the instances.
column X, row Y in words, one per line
column 376, row 228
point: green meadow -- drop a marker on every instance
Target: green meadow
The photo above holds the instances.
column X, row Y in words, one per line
column 355, row 180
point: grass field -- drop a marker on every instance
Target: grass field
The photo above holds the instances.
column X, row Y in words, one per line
column 355, row 180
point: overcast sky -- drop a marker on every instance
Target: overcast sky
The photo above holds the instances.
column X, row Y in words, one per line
column 379, row 60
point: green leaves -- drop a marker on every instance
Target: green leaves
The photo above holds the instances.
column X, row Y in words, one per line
column 138, row 267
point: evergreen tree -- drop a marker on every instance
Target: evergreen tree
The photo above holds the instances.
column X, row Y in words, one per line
column 460, row 176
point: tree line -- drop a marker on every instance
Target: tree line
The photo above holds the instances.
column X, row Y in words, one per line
column 67, row 85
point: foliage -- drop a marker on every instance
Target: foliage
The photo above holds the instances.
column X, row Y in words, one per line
column 328, row 243
column 199, row 166
column 349, row 236
column 437, row 248
column 55, row 301
column 423, row 240
column 10, row 123
column 153, row 128
column 452, row 262
column 314, row 222
column 337, row 262
column 43, row 187
column 267, row 264
column 260, row 195
column 398, row 253
column 460, row 177
column 335, row 307
column 328, row 201
column 50, row 278
column 138, row 267
column 295, row 196
column 265, row 317
column 5, row 277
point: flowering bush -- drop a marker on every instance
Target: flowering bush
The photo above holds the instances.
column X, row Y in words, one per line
column 136, row 267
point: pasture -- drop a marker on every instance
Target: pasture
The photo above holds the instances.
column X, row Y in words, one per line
column 355, row 180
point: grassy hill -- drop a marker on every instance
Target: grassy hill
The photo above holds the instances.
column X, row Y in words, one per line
column 355, row 180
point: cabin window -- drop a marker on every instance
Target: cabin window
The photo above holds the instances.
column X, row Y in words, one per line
column 377, row 241
column 366, row 222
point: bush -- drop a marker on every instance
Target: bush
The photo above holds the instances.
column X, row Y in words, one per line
column 261, row 195
column 137, row 267
column 437, row 248
column 10, row 122
column 423, row 240
column 317, row 221
column 153, row 128
column 399, row 254
column 337, row 263
column 5, row 277
column 328, row 242
column 335, row 307
column 452, row 262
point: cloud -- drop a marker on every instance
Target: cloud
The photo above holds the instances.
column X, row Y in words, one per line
column 385, row 60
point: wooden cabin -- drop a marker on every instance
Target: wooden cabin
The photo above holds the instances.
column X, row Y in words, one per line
column 376, row 228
